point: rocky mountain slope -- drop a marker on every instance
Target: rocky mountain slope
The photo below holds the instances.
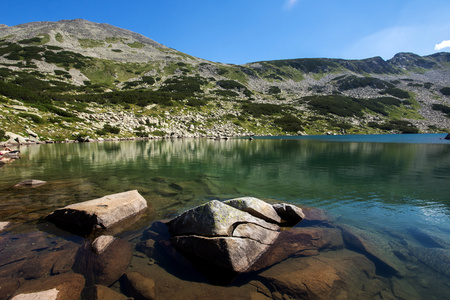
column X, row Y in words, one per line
column 62, row 79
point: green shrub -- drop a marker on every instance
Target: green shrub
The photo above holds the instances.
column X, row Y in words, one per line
column 443, row 108
column 196, row 102
column 289, row 123
column 258, row 109
column 35, row 118
column 148, row 79
column 108, row 129
column 353, row 82
column 335, row 104
column 226, row 93
column 397, row 125
column 230, row 85
column 396, row 92
column 158, row 133
column 273, row 90
column 445, row 91
column 2, row 135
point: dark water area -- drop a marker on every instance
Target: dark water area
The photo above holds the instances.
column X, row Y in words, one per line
column 392, row 189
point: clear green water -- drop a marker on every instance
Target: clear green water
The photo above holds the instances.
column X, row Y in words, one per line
column 391, row 185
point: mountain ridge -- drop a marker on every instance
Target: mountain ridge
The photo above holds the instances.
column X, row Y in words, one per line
column 170, row 93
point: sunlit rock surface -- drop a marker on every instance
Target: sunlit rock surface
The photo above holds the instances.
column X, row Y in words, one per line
column 99, row 213
column 219, row 234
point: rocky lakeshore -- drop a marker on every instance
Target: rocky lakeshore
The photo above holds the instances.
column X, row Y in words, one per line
column 222, row 249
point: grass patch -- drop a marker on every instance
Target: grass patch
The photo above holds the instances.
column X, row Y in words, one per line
column 136, row 45
column 90, row 43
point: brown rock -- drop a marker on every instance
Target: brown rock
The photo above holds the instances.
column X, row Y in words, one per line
column 40, row 265
column 314, row 216
column 8, row 286
column 138, row 286
column 106, row 267
column 101, row 292
column 339, row 274
column 373, row 245
column 65, row 286
column 299, row 241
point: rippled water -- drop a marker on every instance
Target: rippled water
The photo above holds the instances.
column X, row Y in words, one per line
column 395, row 185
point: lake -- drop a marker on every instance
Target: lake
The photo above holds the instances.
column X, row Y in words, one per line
column 395, row 188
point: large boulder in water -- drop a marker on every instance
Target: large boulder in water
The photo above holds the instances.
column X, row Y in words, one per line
column 101, row 213
column 220, row 237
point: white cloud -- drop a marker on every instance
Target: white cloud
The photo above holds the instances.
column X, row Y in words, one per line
column 290, row 3
column 389, row 41
column 442, row 45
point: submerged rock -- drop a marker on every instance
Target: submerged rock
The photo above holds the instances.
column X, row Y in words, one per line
column 436, row 258
column 298, row 242
column 375, row 247
column 105, row 212
column 65, row 286
column 104, row 260
column 101, row 292
column 139, row 286
column 331, row 275
column 30, row 183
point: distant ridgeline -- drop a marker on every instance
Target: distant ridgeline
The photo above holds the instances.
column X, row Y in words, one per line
column 76, row 77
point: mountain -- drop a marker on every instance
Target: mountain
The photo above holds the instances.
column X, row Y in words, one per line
column 75, row 77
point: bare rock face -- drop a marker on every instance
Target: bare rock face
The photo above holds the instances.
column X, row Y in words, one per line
column 218, row 236
column 105, row 212
column 103, row 261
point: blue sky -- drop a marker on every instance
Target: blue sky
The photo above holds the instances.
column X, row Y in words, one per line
column 241, row 31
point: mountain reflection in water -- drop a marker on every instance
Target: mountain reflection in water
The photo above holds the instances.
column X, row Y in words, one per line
column 396, row 192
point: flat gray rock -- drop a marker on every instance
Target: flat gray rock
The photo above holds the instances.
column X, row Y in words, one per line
column 102, row 213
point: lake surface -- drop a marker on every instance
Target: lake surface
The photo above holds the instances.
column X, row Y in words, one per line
column 397, row 186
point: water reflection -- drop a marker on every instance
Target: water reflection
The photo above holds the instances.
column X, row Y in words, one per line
column 386, row 189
